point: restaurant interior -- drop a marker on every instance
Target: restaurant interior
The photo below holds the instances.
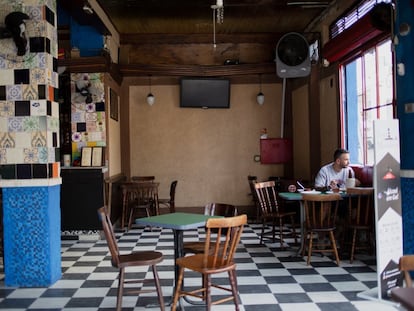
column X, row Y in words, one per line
column 190, row 106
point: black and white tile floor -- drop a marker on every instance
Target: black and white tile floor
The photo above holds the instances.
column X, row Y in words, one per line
column 268, row 278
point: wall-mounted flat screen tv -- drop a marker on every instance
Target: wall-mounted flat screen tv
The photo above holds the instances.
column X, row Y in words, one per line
column 204, row 93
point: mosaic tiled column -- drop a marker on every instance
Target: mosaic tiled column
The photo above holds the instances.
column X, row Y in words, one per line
column 29, row 148
column 405, row 97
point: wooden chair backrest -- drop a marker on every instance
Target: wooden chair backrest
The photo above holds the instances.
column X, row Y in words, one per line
column 321, row 210
column 142, row 178
column 361, row 206
column 220, row 209
column 109, row 235
column 267, row 197
column 219, row 248
column 140, row 193
column 172, row 191
column 406, row 265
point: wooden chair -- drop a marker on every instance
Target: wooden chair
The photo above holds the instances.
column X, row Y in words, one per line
column 133, row 259
column 138, row 196
column 142, row 178
column 213, row 262
column 406, row 265
column 360, row 219
column 169, row 202
column 252, row 180
column 320, row 219
column 212, row 209
column 272, row 214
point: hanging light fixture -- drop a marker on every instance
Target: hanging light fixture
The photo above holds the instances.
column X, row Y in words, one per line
column 150, row 96
column 218, row 16
column 260, row 96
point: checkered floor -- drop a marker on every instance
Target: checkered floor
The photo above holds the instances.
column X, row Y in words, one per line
column 268, row 278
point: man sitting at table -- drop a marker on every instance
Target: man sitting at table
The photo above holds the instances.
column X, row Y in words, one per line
column 333, row 176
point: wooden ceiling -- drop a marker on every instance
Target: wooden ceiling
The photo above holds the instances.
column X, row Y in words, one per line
column 196, row 16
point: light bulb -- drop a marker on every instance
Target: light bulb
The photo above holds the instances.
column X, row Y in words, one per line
column 260, row 98
column 150, row 99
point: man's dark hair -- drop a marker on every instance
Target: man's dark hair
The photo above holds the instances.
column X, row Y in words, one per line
column 338, row 152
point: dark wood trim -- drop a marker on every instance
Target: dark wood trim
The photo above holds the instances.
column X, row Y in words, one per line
column 92, row 64
column 136, row 39
column 197, row 70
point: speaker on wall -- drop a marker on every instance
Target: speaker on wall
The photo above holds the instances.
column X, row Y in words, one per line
column 292, row 56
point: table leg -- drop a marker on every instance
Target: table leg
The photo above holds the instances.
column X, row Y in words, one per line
column 302, row 228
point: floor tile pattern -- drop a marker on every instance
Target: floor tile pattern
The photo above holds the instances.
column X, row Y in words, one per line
column 269, row 278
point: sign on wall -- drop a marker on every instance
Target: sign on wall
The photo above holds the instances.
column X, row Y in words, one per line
column 387, row 205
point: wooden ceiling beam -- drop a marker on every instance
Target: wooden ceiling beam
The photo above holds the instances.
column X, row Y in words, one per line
column 135, row 39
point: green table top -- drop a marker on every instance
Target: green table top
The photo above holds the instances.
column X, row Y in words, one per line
column 176, row 221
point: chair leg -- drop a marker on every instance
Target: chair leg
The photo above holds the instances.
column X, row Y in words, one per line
column 292, row 221
column 233, row 284
column 158, row 286
column 335, row 249
column 120, row 289
column 310, row 248
column 354, row 234
column 177, row 289
column 208, row 292
column 263, row 229
column 281, row 233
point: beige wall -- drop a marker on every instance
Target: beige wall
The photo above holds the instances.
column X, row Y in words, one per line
column 301, row 148
column 113, row 130
column 329, row 119
column 210, row 152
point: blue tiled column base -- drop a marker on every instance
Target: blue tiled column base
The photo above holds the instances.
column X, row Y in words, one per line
column 31, row 217
column 407, row 198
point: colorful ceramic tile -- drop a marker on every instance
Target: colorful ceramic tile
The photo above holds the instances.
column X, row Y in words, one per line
column 55, row 109
column 15, row 124
column 39, row 139
column 95, row 136
column 31, row 155
column 30, row 124
column 38, row 76
column 15, row 155
column 91, row 127
column 43, row 120
column 22, row 108
column 30, row 92
column 14, row 92
column 78, row 117
column 40, row 171
column 91, row 116
column 38, row 107
column 55, row 169
column 6, row 109
column 3, row 124
column 101, row 144
column 35, row 12
column 3, row 156
column 85, row 137
column 7, row 140
column 22, row 76
column 2, row 91
column 23, row 139
column 76, row 137
column 24, row 171
column 7, row 77
column 90, row 107
column 43, row 154
column 52, row 124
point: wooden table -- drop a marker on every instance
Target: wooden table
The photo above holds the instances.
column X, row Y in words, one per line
column 178, row 222
column 404, row 296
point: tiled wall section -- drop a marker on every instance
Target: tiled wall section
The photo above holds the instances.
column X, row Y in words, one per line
column 33, row 255
column 29, row 114
column 88, row 112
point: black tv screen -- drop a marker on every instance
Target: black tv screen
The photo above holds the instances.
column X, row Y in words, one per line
column 205, row 93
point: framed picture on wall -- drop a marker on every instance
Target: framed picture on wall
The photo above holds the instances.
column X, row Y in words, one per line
column 86, row 156
column 113, row 106
column 97, row 153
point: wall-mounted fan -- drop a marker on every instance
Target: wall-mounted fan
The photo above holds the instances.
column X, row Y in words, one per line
column 292, row 56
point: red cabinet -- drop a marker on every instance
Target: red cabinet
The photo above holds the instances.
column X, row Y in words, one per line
column 275, row 150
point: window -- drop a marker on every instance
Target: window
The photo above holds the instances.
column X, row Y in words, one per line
column 367, row 94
